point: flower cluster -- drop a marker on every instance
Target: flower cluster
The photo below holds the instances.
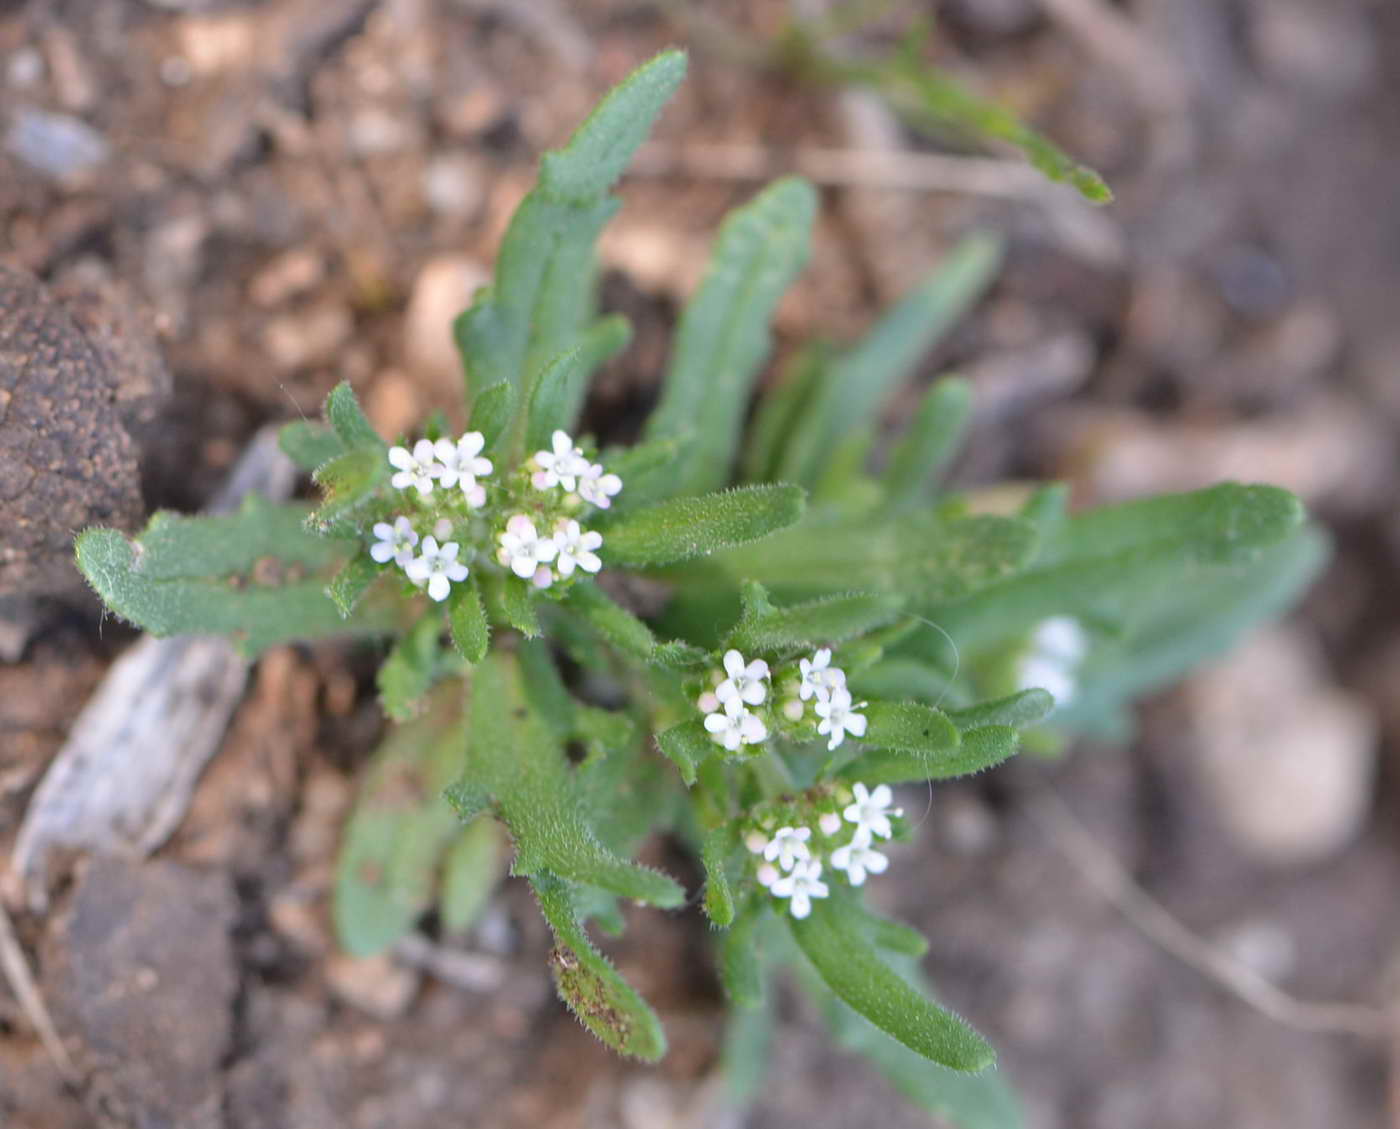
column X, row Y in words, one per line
column 726, row 708
column 1051, row 661
column 540, row 541
column 833, row 705
column 791, row 870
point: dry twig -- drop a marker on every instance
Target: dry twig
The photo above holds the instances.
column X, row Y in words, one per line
column 21, row 980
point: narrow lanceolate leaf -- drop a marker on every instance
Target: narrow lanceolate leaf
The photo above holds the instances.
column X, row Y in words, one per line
column 492, row 412
column 723, row 336
column 929, row 443
column 348, row 483
column 588, row 983
column 843, row 956
column 684, row 528
column 408, row 672
column 349, row 421
column 471, row 872
column 977, row 750
column 516, row 760
column 740, row 970
column 1022, row 709
column 829, row 620
column 910, row 727
column 1117, row 563
column 599, row 150
column 860, row 383
column 926, row 557
column 558, row 392
column 688, row 746
column 471, row 633
column 543, row 293
column 309, row 444
column 612, row 621
column 719, row 898
column 255, row 576
column 780, row 409
column 352, row 582
column 509, row 604
column 401, row 824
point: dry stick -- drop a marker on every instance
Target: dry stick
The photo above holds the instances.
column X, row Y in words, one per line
column 1113, row 881
column 21, row 981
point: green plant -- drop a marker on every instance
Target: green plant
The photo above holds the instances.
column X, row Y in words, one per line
column 828, row 631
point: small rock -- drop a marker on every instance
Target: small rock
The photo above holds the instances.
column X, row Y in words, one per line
column 60, row 146
column 1288, row 759
column 375, row 985
column 445, row 286
column 287, row 276
column 308, row 337
column 452, row 185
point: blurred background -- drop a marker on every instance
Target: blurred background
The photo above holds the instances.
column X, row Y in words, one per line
column 290, row 193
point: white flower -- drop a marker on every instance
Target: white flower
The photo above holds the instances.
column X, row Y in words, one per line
column 597, row 486
column 1057, row 646
column 522, row 549
column 461, row 464
column 576, row 548
column 788, row 846
column 561, row 466
column 767, row 874
column 793, row 709
column 838, row 718
column 755, row 841
column 442, row 529
column 543, row 578
column 437, row 567
column 871, row 812
column 829, row 822
column 819, row 677
column 395, row 542
column 745, row 682
column 1044, row 673
column 857, row 858
column 1060, row 637
column 707, row 702
column 415, row 468
column 736, row 726
column 802, row 885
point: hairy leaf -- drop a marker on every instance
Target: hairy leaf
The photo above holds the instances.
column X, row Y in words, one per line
column 492, row 411
column 719, row 898
column 978, row 749
column 406, row 675
column 831, row 619
column 558, row 392
column 466, row 615
column 684, row 528
column 351, row 583
column 929, row 443
column 688, row 745
column 471, row 872
column 349, row 421
column 612, row 621
column 1022, row 709
column 309, row 444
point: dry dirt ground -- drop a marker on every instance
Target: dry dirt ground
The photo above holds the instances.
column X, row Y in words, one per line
column 300, row 192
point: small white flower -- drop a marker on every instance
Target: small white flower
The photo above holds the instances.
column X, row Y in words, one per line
column 755, row 841
column 745, row 682
column 788, row 846
column 522, row 549
column 736, row 726
column 597, row 486
column 543, row 578
column 415, row 468
column 802, row 885
column 871, row 812
column 1060, row 637
column 819, row 677
column 462, row 462
column 707, row 702
column 1044, row 673
column 442, row 529
column 438, row 567
column 857, row 858
column 793, row 709
column 838, row 717
column 767, row 874
column 395, row 542
column 561, row 466
column 576, row 548
column 830, row 823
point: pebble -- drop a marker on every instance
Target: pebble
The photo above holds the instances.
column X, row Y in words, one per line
column 60, row 146
column 1286, row 758
column 444, row 288
column 375, row 985
column 452, row 185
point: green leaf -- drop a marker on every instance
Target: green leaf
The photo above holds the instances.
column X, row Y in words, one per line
column 831, row 619
column 352, row 582
column 309, row 444
column 926, row 557
column 388, row 860
column 746, row 1053
column 516, row 759
column 644, row 469
column 589, row 985
column 929, row 443
column 723, row 335
column 688, row 746
column 613, row 622
column 471, row 634
column 407, row 674
column 780, row 409
column 558, row 393
column 1115, row 563
column 471, row 872
column 978, row 749
column 739, row 968
column 492, row 412
column 833, row 940
column 859, row 384
column 602, row 146
column 1022, row 709
column 692, row 527
column 910, row 727
column 510, row 604
column 348, row 482
column 719, row 898
column 224, row 575
column 350, row 423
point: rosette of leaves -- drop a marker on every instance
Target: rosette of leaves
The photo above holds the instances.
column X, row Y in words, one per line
column 569, row 720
